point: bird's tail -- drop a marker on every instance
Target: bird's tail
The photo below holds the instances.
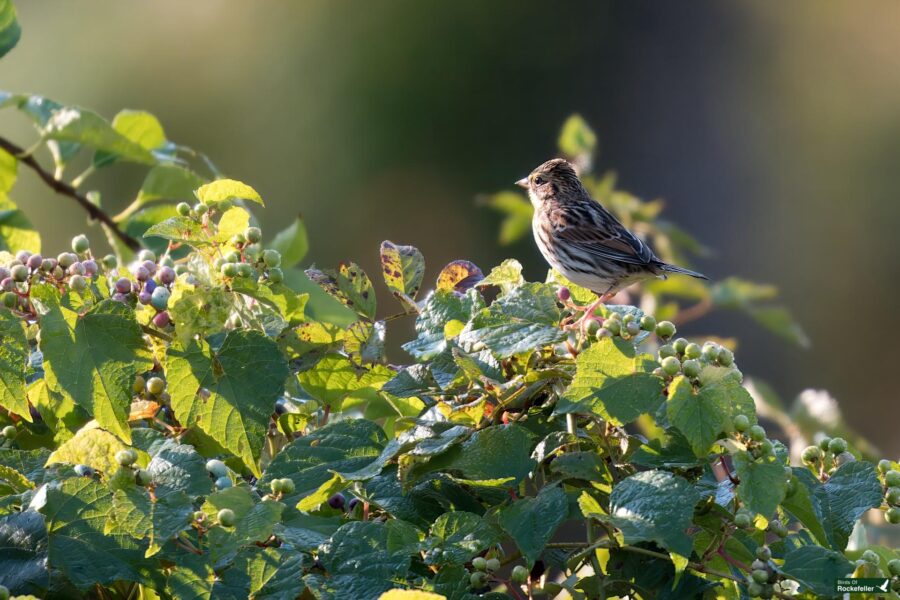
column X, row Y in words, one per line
column 667, row 268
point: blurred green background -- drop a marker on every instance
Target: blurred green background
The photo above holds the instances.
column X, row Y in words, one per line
column 772, row 130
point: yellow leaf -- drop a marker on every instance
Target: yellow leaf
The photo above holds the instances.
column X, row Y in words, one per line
column 226, row 189
column 410, row 595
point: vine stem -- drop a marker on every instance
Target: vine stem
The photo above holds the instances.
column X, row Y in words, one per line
column 64, row 188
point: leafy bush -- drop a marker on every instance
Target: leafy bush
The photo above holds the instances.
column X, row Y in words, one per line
column 177, row 422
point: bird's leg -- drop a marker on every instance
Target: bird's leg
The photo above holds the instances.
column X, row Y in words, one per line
column 588, row 315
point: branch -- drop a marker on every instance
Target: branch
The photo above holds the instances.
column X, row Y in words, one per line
column 61, row 187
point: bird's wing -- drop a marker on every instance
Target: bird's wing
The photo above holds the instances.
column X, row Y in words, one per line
column 592, row 229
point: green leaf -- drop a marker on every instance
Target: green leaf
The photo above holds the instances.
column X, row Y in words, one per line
column 254, row 521
column 198, row 310
column 816, row 569
column 702, row 416
column 358, row 563
column 9, row 27
column 613, row 382
column 76, row 512
column 87, row 128
column 156, row 518
column 531, row 522
column 522, row 320
column 461, row 536
column 495, row 453
column 292, row 243
column 169, row 182
column 335, row 378
column 350, row 285
column 280, row 298
column 23, row 553
column 837, row 504
column 16, row 231
column 306, row 532
column 403, row 268
column 440, row 308
column 197, row 577
column 180, row 229
column 93, row 357
column 228, row 392
column 14, row 352
column 577, row 138
column 90, row 446
column 779, row 321
column 275, row 573
column 323, row 493
column 506, row 276
column 311, row 460
column 223, row 190
column 655, row 506
column 138, row 126
column 763, row 482
column 364, row 341
column 174, row 466
column 518, row 212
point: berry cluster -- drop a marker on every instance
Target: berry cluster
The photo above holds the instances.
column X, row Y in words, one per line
column 763, row 577
column 891, row 480
column 827, row 456
column 681, row 357
column 753, row 437
column 248, row 259
column 127, row 459
column 219, row 472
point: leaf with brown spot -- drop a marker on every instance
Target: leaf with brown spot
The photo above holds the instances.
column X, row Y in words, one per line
column 143, row 409
column 459, row 276
column 350, row 285
column 403, row 268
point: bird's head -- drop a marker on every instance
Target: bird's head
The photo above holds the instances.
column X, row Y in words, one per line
column 556, row 179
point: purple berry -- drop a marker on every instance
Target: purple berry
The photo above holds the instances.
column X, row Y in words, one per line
column 352, row 504
column 22, row 256
column 120, row 297
column 161, row 319
column 563, row 294
column 123, row 285
column 48, row 264
column 4, row 273
column 141, row 273
column 90, row 267
column 336, row 501
column 77, row 269
column 144, row 297
column 167, row 275
column 150, row 266
column 7, row 284
column 149, row 286
column 34, row 262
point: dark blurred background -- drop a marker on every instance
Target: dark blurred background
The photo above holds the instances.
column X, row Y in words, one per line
column 772, row 130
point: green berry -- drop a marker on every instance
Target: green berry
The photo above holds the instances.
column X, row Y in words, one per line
column 272, row 258
column 648, row 323
column 692, row 351
column 894, row 567
column 592, row 326
column 245, row 270
column 870, row 557
column 614, row 326
column 760, row 576
column 201, row 209
column 223, row 483
column 766, row 448
column 80, row 244
column 893, row 496
column 671, row 365
column 633, row 328
column 276, row 275
column 892, row 515
column 238, row 239
column 811, row 454
column 726, row 357
column 823, row 443
column 680, row 344
column 837, row 445
column 627, row 318
column 77, row 283
column 691, row 368
column 183, row 209
column 4, row 593
column 778, row 528
column 216, row 467
column 253, row 251
column 199, row 515
column 145, row 255
column 710, row 352
column 142, row 477
column 665, row 329
column 230, row 269
column 741, row 423
column 892, row 479
column 126, row 457
column 233, row 256
column 110, row 261
column 275, row 486
column 666, row 350
column 757, row 433
column 519, row 575
column 10, row 299
column 253, row 234
column 884, row 465
column 763, row 553
column 479, row 563
column 155, row 385
column 9, row 432
column 66, row 260
column 287, row 486
column 478, row 580
column 493, row 565
column 743, row 520
column 138, row 385
column 754, row 589
column 225, row 517
column 19, row 273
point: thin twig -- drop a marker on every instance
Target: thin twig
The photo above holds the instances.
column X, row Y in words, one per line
column 62, row 187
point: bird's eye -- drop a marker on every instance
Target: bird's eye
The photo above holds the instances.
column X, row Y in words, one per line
column 539, row 180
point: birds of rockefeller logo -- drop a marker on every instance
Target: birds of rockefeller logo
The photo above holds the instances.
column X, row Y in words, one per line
column 859, row 585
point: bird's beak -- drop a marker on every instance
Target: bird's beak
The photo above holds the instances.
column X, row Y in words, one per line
column 523, row 183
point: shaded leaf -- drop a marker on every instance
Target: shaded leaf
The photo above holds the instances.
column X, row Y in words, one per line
column 292, row 243
column 531, row 522
column 14, row 352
